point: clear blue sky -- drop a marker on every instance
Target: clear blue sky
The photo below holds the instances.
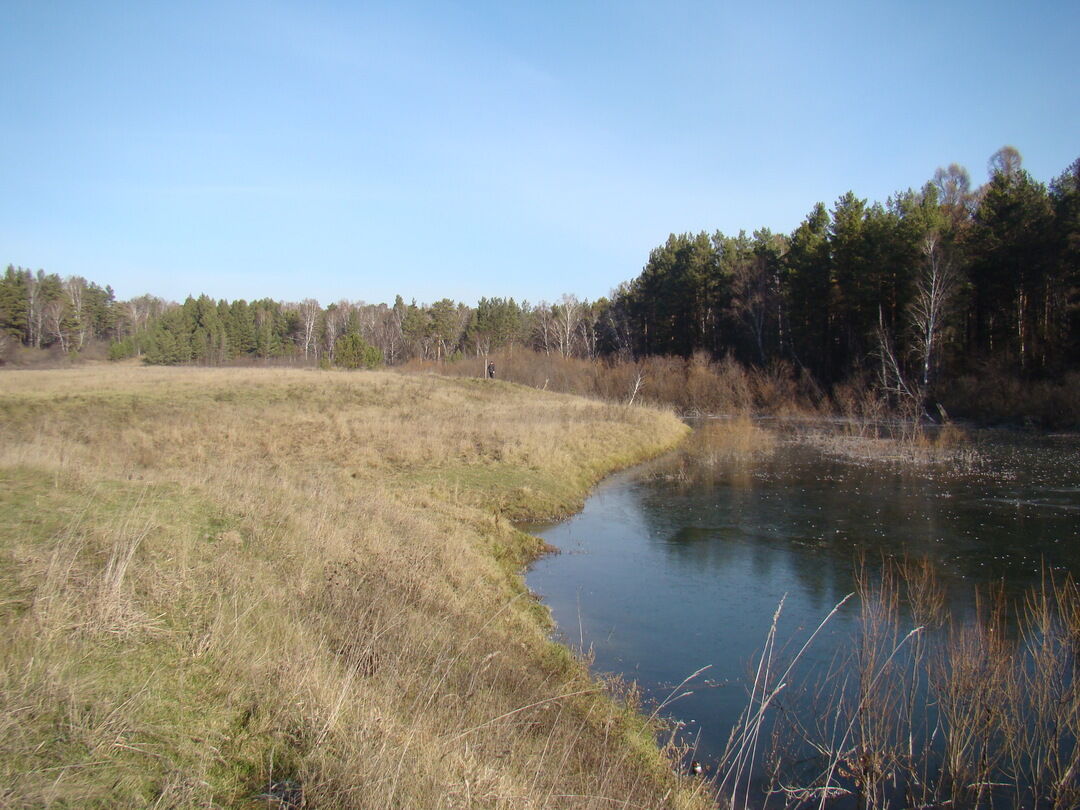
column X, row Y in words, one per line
column 357, row 150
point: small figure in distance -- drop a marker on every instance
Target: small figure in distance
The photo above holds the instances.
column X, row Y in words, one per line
column 696, row 769
column 491, row 371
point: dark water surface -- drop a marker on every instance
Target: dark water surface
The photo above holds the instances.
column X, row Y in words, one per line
column 661, row 575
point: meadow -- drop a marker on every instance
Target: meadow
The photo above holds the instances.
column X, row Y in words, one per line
column 287, row 587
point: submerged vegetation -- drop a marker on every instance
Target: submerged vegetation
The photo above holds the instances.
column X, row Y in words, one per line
column 229, row 588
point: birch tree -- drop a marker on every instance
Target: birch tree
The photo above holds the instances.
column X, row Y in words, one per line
column 567, row 319
column 78, row 318
column 934, row 290
column 309, row 310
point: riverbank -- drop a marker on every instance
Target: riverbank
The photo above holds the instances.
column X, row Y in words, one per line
column 231, row 587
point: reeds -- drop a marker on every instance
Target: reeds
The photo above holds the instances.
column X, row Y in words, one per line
column 717, row 446
column 930, row 710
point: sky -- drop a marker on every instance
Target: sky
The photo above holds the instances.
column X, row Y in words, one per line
column 361, row 150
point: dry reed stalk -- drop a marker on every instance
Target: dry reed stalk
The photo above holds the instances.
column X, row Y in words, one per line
column 739, row 758
column 957, row 711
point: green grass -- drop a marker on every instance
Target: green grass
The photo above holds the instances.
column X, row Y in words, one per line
column 103, row 712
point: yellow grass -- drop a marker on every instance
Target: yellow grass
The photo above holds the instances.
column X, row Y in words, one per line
column 226, row 588
column 736, row 445
column 948, row 446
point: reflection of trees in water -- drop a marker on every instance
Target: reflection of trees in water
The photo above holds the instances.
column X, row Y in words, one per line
column 1002, row 524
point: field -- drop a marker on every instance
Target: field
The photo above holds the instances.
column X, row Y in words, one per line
column 252, row 588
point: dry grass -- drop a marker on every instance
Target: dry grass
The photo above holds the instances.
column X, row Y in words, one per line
column 997, row 396
column 735, row 445
column 696, row 385
column 888, row 443
column 237, row 588
column 932, row 710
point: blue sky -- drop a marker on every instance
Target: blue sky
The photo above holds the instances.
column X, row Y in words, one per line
column 359, row 150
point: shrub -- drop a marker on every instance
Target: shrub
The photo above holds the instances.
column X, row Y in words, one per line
column 352, row 351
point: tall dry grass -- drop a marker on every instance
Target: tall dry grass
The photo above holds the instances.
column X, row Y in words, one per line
column 998, row 396
column 697, row 385
column 854, row 421
column 933, row 710
column 735, row 445
column 235, row 588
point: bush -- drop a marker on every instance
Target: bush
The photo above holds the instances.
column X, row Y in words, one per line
column 122, row 349
column 352, row 351
column 998, row 396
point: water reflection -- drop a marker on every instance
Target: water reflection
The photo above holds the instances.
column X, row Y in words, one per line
column 681, row 564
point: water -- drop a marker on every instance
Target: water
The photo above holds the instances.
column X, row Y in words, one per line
column 663, row 574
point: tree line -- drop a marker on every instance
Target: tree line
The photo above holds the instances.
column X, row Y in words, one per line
column 931, row 282
column 44, row 311
column 203, row 330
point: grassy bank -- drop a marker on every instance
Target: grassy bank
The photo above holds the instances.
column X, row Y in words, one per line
column 230, row 588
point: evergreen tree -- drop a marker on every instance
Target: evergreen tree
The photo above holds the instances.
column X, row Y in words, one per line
column 1009, row 244
column 240, row 328
column 808, row 272
column 352, row 351
column 1063, row 337
column 15, row 304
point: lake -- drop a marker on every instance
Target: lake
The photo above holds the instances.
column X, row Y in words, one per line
column 678, row 565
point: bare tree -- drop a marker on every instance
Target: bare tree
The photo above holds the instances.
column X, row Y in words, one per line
column 934, row 291
column 1006, row 161
column 140, row 311
column 35, row 307
column 617, row 323
column 463, row 314
column 638, row 380
column 892, row 379
column 337, row 319
column 954, row 191
column 309, row 318
column 379, row 326
column 390, row 339
column 567, row 317
column 545, row 329
column 587, row 333
column 80, row 326
column 56, row 321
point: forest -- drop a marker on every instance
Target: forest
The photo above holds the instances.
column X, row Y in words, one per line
column 909, row 294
